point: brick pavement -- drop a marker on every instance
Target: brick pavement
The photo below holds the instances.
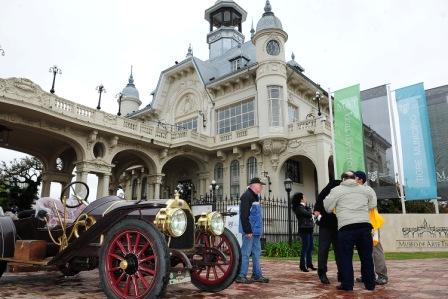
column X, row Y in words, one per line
column 423, row 279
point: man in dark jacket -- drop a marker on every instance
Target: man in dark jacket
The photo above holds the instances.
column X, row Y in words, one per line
column 251, row 227
column 328, row 232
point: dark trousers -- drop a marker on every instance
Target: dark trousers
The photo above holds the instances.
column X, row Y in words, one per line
column 327, row 237
column 307, row 249
column 362, row 239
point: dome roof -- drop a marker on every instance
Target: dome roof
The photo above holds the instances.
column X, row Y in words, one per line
column 293, row 63
column 269, row 20
column 130, row 91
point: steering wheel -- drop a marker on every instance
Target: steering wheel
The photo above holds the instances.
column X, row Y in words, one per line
column 79, row 191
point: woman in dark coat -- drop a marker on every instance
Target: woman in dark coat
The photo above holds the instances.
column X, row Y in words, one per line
column 305, row 219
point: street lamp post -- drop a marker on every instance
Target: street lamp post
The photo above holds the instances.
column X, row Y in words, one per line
column 55, row 70
column 100, row 88
column 317, row 98
column 120, row 96
column 288, row 187
column 213, row 188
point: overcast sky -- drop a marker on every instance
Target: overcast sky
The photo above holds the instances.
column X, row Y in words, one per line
column 339, row 43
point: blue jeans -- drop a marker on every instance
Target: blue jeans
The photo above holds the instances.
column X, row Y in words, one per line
column 362, row 239
column 251, row 246
column 307, row 249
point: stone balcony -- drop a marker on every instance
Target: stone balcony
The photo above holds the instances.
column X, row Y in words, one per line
column 24, row 94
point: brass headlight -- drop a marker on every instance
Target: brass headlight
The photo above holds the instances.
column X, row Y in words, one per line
column 212, row 223
column 171, row 221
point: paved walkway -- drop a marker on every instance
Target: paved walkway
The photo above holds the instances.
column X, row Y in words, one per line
column 422, row 279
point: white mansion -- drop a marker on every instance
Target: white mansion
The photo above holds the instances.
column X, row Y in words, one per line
column 245, row 111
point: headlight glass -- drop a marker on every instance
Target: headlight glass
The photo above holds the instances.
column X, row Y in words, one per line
column 217, row 223
column 178, row 223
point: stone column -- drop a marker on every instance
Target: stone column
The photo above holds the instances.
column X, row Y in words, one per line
column 139, row 188
column 156, row 181
column 46, row 185
column 100, row 186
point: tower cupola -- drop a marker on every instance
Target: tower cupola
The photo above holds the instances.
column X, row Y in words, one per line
column 130, row 101
column 225, row 18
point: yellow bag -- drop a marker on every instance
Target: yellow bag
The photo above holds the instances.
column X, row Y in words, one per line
column 376, row 219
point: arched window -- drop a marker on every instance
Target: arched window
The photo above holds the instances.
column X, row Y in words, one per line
column 219, row 178
column 235, row 179
column 251, row 168
column 144, row 193
column 134, row 189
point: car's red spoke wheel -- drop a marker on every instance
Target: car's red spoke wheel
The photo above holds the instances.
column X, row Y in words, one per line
column 132, row 262
column 211, row 271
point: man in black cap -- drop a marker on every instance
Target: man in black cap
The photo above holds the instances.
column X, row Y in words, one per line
column 251, row 227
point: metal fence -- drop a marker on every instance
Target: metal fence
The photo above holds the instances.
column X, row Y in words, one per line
column 275, row 215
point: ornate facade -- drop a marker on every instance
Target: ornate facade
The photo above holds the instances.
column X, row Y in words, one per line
column 244, row 112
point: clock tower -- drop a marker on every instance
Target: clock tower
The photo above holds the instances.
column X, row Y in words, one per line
column 225, row 18
column 269, row 40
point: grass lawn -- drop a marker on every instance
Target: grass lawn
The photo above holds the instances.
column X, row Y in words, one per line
column 389, row 256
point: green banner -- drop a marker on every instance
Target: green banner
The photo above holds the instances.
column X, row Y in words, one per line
column 348, row 131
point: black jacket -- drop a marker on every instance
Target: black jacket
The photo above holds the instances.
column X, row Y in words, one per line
column 246, row 201
column 328, row 220
column 304, row 217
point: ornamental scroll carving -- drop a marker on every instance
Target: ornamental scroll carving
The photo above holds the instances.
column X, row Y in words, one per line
column 273, row 148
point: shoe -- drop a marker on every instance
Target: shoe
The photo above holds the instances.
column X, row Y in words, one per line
column 341, row 288
column 358, row 279
column 324, row 279
column 303, row 269
column 243, row 279
column 261, row 279
column 311, row 267
column 380, row 281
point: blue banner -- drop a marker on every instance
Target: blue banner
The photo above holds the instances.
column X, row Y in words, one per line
column 418, row 158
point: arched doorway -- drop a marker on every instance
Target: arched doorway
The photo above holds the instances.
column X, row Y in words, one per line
column 131, row 175
column 182, row 172
column 302, row 171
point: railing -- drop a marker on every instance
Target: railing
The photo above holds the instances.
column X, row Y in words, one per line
column 237, row 135
column 275, row 215
column 309, row 127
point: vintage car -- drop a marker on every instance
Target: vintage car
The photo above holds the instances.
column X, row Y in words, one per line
column 139, row 246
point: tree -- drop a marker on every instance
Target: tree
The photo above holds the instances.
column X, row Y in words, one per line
column 20, row 180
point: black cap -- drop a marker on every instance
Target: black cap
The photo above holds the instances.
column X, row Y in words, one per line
column 361, row 175
column 256, row 181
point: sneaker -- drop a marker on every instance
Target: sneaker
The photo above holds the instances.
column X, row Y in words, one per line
column 380, row 281
column 243, row 279
column 261, row 279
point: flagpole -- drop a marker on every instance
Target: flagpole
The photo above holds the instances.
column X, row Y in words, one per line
column 395, row 145
column 333, row 143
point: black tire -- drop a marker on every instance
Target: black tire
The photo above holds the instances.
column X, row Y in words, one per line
column 3, row 265
column 233, row 254
column 138, row 261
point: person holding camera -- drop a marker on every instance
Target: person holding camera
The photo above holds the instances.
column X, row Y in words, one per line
column 306, row 225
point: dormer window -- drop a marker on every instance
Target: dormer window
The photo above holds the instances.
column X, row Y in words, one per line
column 238, row 63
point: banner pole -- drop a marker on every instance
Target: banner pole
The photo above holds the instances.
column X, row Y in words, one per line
column 396, row 152
column 333, row 144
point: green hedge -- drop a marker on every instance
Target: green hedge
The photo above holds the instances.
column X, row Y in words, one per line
column 282, row 249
